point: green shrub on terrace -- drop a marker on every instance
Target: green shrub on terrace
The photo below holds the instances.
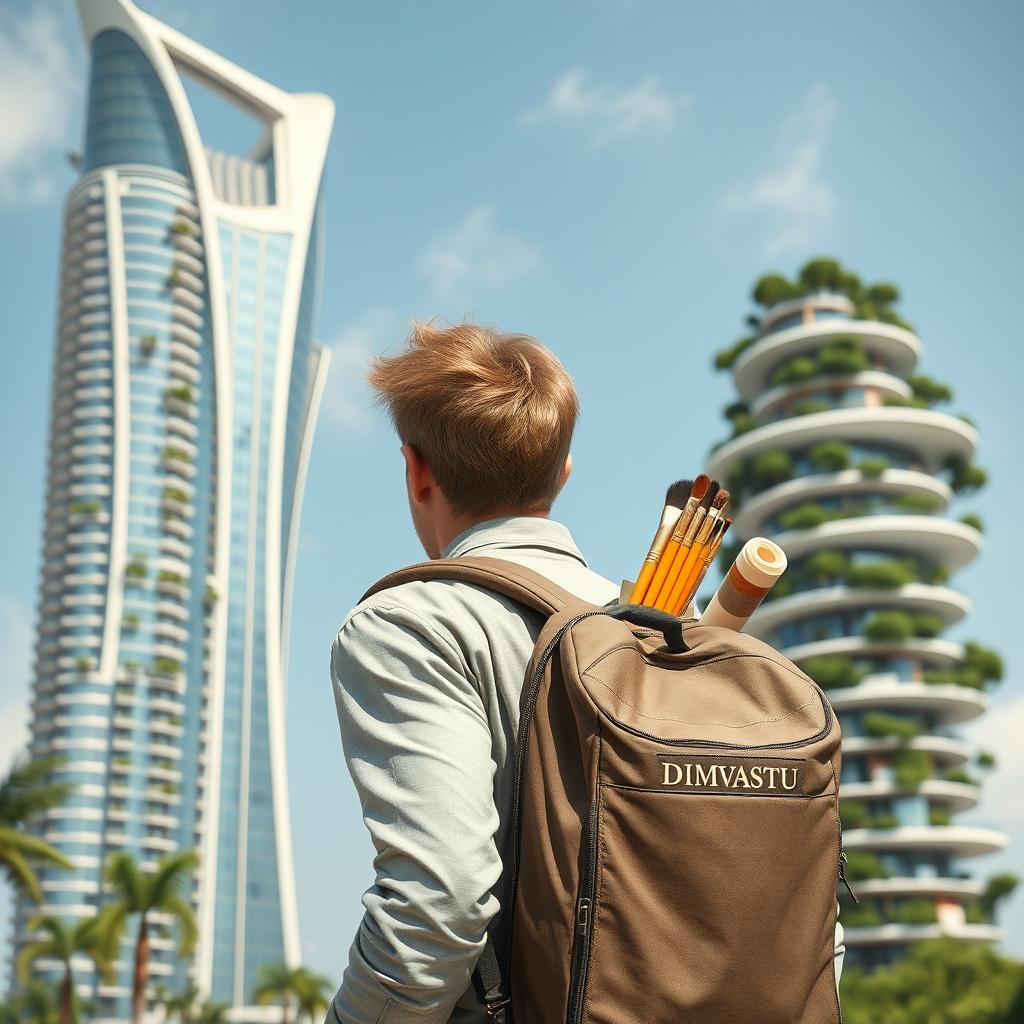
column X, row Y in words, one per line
column 880, row 723
column 862, row 866
column 843, row 355
column 809, row 406
column 826, row 565
column 167, row 576
column 961, row 776
column 873, row 467
column 726, row 357
column 974, row 520
column 165, row 667
column 927, row 626
column 865, row 916
column 794, row 371
column 930, row 391
column 180, row 393
column 85, row 508
column 181, row 227
column 923, row 503
column 985, row 760
column 939, row 816
column 884, row 820
column 804, row 517
column 918, row 911
column 889, row 626
column 853, row 813
column 830, row 456
column 964, row 476
column 911, row 767
column 832, row 671
column 769, row 468
column 889, row 574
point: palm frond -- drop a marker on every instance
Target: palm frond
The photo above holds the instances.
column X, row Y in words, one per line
column 124, row 875
column 180, row 909
column 20, row 873
column 32, row 847
column 25, row 791
column 170, row 874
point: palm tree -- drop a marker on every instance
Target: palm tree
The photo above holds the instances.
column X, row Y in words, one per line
column 277, row 985
column 182, row 1005
column 25, row 793
column 91, row 936
column 142, row 892
column 313, row 992
column 33, row 1004
column 213, row 1013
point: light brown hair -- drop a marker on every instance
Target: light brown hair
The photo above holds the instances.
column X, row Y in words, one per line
column 491, row 413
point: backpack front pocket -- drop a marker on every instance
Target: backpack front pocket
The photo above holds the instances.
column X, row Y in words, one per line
column 707, row 908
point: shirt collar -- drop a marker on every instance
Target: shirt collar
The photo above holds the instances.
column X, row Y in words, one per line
column 515, row 532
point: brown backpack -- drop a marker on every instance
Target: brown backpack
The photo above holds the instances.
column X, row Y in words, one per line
column 676, row 836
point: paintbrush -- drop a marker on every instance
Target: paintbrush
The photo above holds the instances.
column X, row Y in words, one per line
column 700, row 543
column 675, row 501
column 697, row 493
column 701, row 570
column 686, row 538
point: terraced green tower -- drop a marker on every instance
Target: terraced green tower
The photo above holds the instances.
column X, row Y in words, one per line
column 839, row 454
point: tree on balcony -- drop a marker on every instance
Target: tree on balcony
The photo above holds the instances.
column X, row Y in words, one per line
column 919, row 911
column 830, row 456
column 911, row 768
column 833, row 671
column 804, row 517
column 770, row 468
column 853, row 814
column 165, row 667
column 964, row 476
column 973, row 520
column 929, row 391
column 885, row 574
column 136, row 568
column 939, row 816
column 889, row 627
column 918, row 503
column 726, row 357
column 85, row 508
column 771, row 289
column 961, row 776
column 881, row 723
column 863, row 866
column 181, row 227
column 147, row 344
column 180, row 393
column 843, row 356
column 825, row 566
column 872, row 468
column 794, row 371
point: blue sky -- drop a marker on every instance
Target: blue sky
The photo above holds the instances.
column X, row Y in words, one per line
column 611, row 177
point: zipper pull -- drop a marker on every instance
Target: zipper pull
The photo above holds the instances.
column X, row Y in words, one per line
column 582, row 916
column 842, row 876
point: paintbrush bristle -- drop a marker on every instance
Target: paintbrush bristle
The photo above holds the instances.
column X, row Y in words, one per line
column 678, row 492
column 700, row 486
column 709, row 494
column 721, row 499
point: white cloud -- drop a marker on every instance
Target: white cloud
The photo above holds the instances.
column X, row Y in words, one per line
column 609, row 113
column 793, row 194
column 347, row 400
column 37, row 87
column 476, row 254
column 16, row 645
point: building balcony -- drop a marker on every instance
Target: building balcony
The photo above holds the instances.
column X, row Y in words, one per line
column 960, row 840
column 850, row 483
column 954, row 796
column 897, row 348
column 932, row 436
column 949, row 703
column 905, row 934
column 878, row 381
column 940, row 541
column 943, row 749
column 948, row 605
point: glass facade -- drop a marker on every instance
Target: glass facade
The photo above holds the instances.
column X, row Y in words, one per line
column 168, row 734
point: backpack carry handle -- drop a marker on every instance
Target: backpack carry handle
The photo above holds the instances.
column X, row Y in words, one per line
column 670, row 626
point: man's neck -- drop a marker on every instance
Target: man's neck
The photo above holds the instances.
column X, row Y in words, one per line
column 452, row 526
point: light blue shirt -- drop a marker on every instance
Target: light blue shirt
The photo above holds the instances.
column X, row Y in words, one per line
column 427, row 680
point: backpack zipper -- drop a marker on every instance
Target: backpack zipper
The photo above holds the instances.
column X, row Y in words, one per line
column 584, row 906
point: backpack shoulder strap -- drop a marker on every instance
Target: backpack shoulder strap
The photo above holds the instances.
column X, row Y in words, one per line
column 497, row 574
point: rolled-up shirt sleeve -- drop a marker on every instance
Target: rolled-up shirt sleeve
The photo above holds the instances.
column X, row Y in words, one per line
column 418, row 747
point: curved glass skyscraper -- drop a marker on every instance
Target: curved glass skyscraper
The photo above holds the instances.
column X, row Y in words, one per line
column 186, row 384
column 838, row 454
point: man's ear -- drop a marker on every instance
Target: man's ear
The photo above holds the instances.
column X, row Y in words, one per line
column 417, row 473
column 566, row 469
